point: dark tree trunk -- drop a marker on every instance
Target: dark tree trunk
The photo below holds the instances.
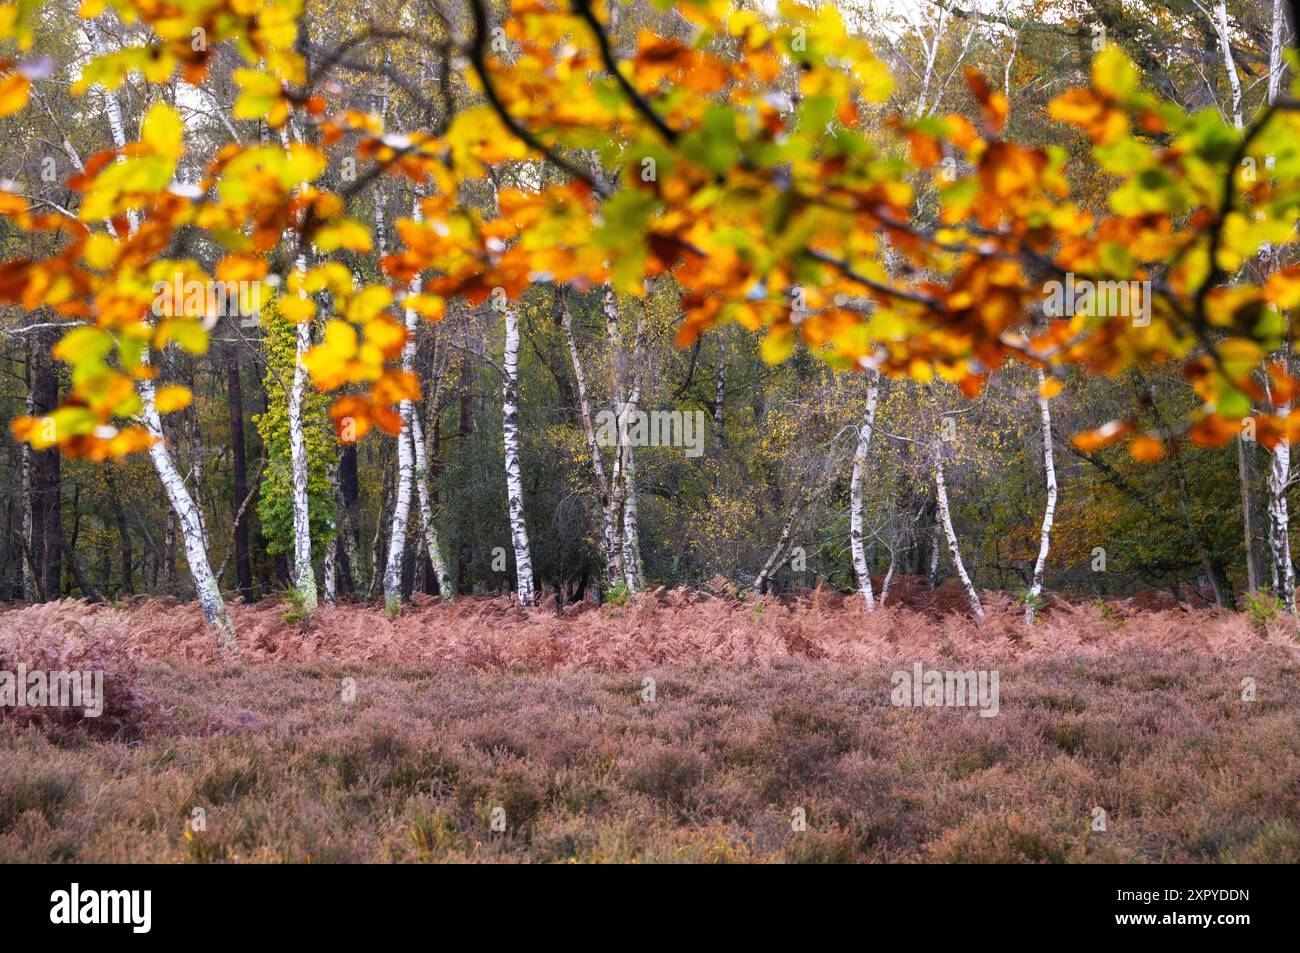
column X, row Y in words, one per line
column 47, row 487
column 239, row 455
column 349, row 495
column 124, row 534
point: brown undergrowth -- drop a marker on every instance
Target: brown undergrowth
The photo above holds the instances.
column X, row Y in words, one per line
column 763, row 712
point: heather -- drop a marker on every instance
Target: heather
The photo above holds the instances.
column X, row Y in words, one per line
column 759, row 708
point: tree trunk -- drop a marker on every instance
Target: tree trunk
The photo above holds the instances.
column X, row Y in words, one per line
column 405, row 469
column 936, row 544
column 1278, row 475
column 1246, row 482
column 514, row 478
column 206, row 587
column 945, row 520
column 865, row 431
column 27, row 572
column 330, row 564
column 123, row 531
column 777, row 556
column 1049, row 514
column 349, row 493
column 432, row 546
column 46, row 475
column 613, row 549
column 239, row 466
column 719, row 395
column 633, row 571
column 1279, row 517
column 626, row 398
column 304, row 576
column 1275, row 62
column 1229, row 65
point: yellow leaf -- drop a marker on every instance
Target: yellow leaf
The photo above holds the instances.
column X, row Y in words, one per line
column 1113, row 73
column 84, row 344
column 368, row 302
column 162, row 131
column 100, row 251
column 347, row 233
column 171, row 398
column 1050, row 387
column 14, row 89
column 429, row 307
column 296, row 310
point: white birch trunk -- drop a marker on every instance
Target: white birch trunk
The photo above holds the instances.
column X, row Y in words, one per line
column 860, row 567
column 405, row 468
column 1279, row 517
column 304, row 576
column 936, row 541
column 633, row 571
column 206, row 586
column 612, row 548
column 1229, row 64
column 945, row 520
column 514, row 477
column 1049, row 514
column 889, row 575
column 431, row 543
column 777, row 556
column 1275, row 66
column 624, row 488
column 1279, row 473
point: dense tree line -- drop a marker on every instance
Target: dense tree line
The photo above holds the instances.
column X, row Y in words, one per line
column 498, row 478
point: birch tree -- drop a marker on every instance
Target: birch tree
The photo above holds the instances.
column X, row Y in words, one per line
column 610, row 536
column 627, row 395
column 304, row 576
column 1279, row 472
column 514, row 479
column 945, row 520
column 206, row 586
column 1279, row 476
column 865, row 431
column 405, row 465
column 430, row 531
column 1049, row 514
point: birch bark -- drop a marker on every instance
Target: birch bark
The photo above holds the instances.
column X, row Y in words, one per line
column 431, row 543
column 865, row 431
column 945, row 520
column 610, row 539
column 1049, row 514
column 405, row 467
column 304, row 576
column 514, row 478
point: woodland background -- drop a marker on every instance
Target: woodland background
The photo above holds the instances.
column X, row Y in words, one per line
column 768, row 502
